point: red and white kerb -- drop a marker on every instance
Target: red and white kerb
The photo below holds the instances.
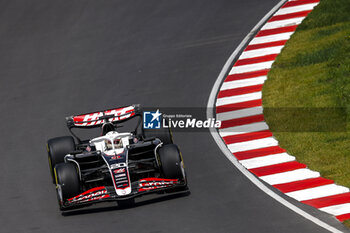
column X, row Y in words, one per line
column 246, row 134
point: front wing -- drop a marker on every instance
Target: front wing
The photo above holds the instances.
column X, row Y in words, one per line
column 108, row 193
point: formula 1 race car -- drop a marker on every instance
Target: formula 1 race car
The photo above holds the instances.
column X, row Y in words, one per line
column 114, row 166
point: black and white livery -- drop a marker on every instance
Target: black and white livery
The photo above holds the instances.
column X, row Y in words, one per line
column 116, row 166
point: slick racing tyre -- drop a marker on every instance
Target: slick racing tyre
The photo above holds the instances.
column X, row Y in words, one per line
column 67, row 179
column 164, row 134
column 57, row 148
column 171, row 162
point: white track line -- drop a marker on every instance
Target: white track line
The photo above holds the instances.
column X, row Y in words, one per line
column 337, row 209
column 239, row 113
column 261, row 52
column 238, row 98
column 243, row 83
column 283, row 23
column 290, row 176
column 294, row 9
column 248, row 128
column 317, row 192
column 251, row 67
column 267, row 160
column 253, row 144
column 271, row 38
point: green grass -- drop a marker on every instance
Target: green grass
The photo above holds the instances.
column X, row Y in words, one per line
column 313, row 73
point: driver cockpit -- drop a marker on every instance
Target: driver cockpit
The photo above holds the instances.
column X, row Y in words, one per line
column 117, row 143
column 111, row 141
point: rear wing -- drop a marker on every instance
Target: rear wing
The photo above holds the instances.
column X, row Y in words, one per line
column 97, row 119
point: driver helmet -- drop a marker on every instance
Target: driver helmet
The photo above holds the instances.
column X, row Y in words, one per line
column 118, row 143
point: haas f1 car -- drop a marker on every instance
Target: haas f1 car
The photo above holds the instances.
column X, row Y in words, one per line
column 116, row 166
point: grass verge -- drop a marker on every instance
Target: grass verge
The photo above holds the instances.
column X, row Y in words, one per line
column 308, row 88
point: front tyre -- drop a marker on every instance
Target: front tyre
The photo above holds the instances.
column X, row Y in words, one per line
column 67, row 180
column 171, row 162
column 57, row 148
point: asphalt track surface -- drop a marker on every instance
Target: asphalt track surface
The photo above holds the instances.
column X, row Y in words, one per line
column 64, row 57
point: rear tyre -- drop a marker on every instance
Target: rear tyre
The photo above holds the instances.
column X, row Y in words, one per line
column 57, row 148
column 67, row 178
column 164, row 134
column 171, row 162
